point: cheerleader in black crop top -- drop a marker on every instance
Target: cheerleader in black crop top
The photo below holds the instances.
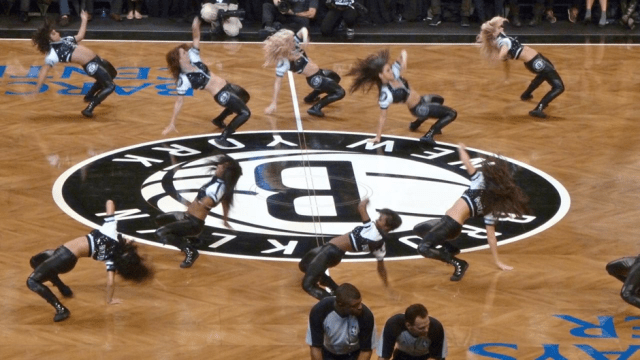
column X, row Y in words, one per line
column 103, row 244
column 66, row 49
column 190, row 72
column 368, row 237
column 286, row 50
column 180, row 228
column 503, row 196
column 394, row 89
column 496, row 45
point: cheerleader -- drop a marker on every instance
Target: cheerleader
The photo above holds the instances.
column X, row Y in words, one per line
column 394, row 89
column 286, row 49
column 495, row 45
column 104, row 244
column 190, row 72
column 66, row 49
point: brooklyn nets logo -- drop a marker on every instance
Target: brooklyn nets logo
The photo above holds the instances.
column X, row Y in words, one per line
column 298, row 190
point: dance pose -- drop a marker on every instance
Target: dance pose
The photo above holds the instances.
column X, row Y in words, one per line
column 492, row 193
column 190, row 72
column 104, row 244
column 495, row 45
column 286, row 50
column 627, row 270
column 394, row 89
column 176, row 228
column 369, row 237
column 67, row 49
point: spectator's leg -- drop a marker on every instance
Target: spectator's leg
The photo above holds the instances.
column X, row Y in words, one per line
column 330, row 22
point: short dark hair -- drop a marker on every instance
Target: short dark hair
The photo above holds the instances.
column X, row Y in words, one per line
column 393, row 219
column 346, row 292
column 414, row 311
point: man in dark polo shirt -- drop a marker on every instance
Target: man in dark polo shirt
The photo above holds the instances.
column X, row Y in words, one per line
column 414, row 335
column 341, row 327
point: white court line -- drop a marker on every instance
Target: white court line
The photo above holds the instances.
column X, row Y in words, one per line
column 294, row 97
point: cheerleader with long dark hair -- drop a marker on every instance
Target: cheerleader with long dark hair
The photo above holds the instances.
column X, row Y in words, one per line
column 104, row 244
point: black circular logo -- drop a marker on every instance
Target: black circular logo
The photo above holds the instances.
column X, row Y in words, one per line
column 298, row 191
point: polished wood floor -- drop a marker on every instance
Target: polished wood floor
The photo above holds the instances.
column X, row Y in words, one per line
column 225, row 308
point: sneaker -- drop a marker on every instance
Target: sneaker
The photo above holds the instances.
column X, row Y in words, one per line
column 465, row 21
column 573, row 15
column 266, row 31
column 191, row 256
column 350, row 33
column 537, row 20
column 461, row 267
column 549, row 16
column 61, row 313
column 64, row 20
column 435, row 21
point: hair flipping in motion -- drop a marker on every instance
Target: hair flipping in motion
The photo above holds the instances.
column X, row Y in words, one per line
column 231, row 174
column 366, row 72
column 173, row 60
column 486, row 38
column 501, row 194
column 42, row 37
column 130, row 265
column 280, row 45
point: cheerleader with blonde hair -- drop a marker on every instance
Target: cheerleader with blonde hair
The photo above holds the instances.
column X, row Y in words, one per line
column 496, row 45
column 286, row 49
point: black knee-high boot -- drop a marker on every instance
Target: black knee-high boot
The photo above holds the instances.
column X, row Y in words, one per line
column 218, row 121
column 316, row 110
column 447, row 116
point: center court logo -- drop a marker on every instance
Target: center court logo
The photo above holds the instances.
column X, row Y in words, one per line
column 298, row 190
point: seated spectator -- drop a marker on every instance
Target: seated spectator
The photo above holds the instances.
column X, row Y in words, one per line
column 65, row 10
column 292, row 14
column 115, row 7
column 542, row 7
column 514, row 11
column 436, row 8
column 603, row 13
column 135, row 9
column 573, row 11
column 341, row 10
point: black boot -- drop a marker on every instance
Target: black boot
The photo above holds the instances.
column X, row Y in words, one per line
column 414, row 125
column 537, row 112
column 316, row 110
column 428, row 138
column 312, row 97
column 191, row 256
column 526, row 96
column 61, row 312
column 218, row 121
column 461, row 267
column 88, row 112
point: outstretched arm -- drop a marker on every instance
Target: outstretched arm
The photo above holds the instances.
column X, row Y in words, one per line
column 493, row 245
column 176, row 110
column 274, row 100
column 382, row 272
column 381, row 121
column 304, row 35
column 402, row 60
column 111, row 287
column 83, row 26
column 195, row 31
column 362, row 209
column 42, row 77
column 466, row 160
